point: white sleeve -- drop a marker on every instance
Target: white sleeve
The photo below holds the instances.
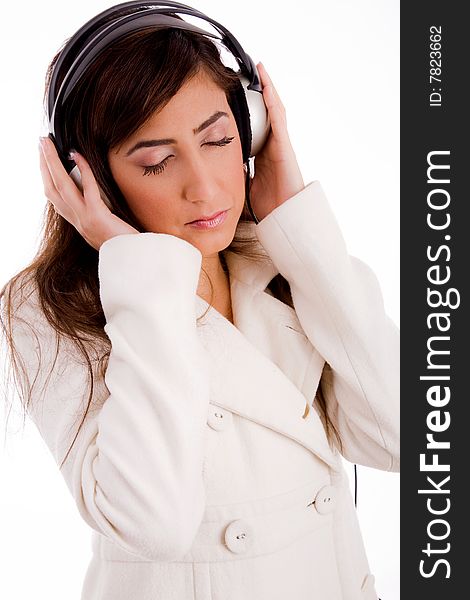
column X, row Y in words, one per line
column 136, row 469
column 339, row 304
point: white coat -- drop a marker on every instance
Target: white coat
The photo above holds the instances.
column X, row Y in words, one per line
column 198, row 470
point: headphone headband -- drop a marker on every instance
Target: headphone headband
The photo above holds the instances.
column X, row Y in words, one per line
column 110, row 34
column 93, row 37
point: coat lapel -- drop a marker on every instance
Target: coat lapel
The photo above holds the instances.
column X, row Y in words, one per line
column 265, row 367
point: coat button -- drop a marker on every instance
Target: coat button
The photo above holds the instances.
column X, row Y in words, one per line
column 239, row 536
column 325, row 500
column 218, row 418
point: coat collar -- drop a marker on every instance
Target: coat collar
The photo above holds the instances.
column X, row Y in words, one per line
column 263, row 362
column 254, row 273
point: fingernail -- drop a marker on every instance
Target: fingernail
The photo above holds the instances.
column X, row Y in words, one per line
column 72, row 155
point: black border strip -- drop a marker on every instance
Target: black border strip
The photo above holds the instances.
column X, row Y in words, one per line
column 435, row 268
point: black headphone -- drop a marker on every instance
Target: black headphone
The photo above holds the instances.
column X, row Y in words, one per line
column 246, row 102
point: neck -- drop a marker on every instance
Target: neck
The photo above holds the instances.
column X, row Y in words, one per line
column 211, row 267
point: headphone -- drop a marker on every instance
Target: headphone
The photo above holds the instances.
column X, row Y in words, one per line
column 98, row 33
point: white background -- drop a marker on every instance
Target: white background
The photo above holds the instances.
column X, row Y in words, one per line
column 335, row 65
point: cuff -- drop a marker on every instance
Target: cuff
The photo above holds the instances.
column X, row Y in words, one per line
column 138, row 267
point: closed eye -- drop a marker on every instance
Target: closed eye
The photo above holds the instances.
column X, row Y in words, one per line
column 160, row 167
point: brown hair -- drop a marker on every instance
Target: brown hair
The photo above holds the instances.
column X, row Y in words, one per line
column 129, row 81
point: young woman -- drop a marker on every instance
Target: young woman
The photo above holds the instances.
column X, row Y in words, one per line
column 196, row 374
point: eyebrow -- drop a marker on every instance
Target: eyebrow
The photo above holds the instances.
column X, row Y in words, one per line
column 165, row 141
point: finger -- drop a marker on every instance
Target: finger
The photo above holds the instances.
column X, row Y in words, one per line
column 49, row 187
column 50, row 190
column 267, row 82
column 272, row 100
column 91, row 191
column 265, row 79
column 277, row 114
column 63, row 183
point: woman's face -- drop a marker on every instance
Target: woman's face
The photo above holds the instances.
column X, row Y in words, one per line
column 195, row 178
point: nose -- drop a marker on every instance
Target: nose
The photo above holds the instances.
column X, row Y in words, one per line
column 200, row 181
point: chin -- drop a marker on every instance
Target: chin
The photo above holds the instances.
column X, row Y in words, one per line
column 210, row 243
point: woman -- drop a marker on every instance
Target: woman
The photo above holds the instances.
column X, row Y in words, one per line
column 209, row 375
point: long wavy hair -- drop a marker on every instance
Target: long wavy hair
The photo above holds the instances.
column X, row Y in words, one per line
column 129, row 82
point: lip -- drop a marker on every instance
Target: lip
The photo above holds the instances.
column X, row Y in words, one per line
column 211, row 223
column 216, row 214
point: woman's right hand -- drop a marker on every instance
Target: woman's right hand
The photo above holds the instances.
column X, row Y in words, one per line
column 86, row 211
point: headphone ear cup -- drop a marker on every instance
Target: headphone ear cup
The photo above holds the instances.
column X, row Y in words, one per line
column 77, row 179
column 258, row 116
column 238, row 104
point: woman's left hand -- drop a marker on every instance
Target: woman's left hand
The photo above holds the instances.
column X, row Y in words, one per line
column 277, row 174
